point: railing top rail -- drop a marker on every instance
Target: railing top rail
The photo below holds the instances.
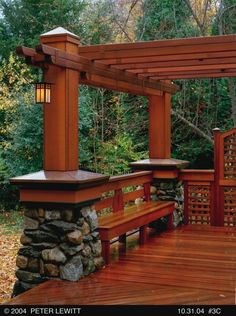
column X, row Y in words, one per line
column 130, row 176
column 197, row 171
column 119, row 182
column 197, row 175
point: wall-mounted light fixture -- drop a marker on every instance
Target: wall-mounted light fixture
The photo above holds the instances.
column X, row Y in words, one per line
column 42, row 92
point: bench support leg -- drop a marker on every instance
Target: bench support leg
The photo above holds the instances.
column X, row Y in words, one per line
column 106, row 251
column 142, row 234
column 170, row 223
column 122, row 243
column 122, row 239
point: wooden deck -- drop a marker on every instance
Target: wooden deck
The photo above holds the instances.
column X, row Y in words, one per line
column 191, row 265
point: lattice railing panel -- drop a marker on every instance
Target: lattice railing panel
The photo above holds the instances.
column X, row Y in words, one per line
column 230, row 206
column 230, row 157
column 199, row 201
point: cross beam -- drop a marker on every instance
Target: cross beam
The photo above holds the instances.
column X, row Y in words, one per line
column 119, row 80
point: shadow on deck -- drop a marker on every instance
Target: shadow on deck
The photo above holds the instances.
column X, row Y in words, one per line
column 191, row 265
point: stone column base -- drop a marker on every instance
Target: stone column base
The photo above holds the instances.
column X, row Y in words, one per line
column 57, row 244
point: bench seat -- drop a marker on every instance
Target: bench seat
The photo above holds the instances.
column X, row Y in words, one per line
column 132, row 217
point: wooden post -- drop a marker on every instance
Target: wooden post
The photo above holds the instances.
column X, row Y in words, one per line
column 159, row 126
column 217, row 189
column 61, row 115
column 186, row 214
column 147, row 193
column 118, row 203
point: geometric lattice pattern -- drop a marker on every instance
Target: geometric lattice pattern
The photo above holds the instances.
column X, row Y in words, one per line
column 230, row 157
column 199, row 200
column 230, row 206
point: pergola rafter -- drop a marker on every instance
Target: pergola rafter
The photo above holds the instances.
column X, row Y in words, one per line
column 203, row 57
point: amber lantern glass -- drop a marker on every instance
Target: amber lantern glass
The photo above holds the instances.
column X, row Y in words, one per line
column 42, row 92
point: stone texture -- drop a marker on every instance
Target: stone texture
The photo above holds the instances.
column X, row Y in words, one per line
column 95, row 235
column 28, row 251
column 67, row 215
column 85, row 228
column 86, row 252
column 52, row 214
column 51, row 270
column 171, row 191
column 92, row 220
column 30, row 223
column 44, row 245
column 58, row 244
column 75, row 237
column 33, row 265
column 59, row 226
column 33, row 213
column 41, row 212
column 80, row 221
column 29, row 277
column 90, row 267
column 87, row 238
column 96, row 248
column 21, row 262
column 41, row 267
column 25, row 240
column 41, row 236
column 54, row 255
column 71, row 250
column 85, row 211
column 99, row 262
column 72, row 270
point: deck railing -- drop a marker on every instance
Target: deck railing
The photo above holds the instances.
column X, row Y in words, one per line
column 114, row 195
column 198, row 196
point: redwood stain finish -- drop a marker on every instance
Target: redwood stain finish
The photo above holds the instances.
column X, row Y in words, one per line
column 194, row 264
column 61, row 115
column 123, row 218
column 159, row 127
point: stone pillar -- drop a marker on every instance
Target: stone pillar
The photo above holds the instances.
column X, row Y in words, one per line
column 169, row 190
column 57, row 244
column 60, row 238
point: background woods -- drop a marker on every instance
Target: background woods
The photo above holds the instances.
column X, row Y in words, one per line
column 113, row 127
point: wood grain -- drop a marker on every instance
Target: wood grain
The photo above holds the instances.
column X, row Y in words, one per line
column 191, row 265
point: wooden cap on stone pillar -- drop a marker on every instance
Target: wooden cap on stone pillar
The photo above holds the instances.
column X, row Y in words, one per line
column 61, row 115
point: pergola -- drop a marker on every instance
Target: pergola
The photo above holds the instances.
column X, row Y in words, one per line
column 144, row 68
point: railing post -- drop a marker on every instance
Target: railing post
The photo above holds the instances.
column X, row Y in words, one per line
column 186, row 219
column 118, row 202
column 146, row 188
column 218, row 203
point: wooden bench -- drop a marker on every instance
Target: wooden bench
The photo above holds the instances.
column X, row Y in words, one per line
column 123, row 218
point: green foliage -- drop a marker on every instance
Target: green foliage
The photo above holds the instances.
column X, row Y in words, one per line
column 25, row 20
column 165, row 19
column 114, row 156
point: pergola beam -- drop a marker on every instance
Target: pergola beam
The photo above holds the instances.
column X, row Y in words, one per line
column 72, row 61
column 171, row 60
column 116, row 85
column 207, row 63
column 185, row 42
column 225, row 74
column 160, row 51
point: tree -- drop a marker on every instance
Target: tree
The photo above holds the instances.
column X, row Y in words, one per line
column 23, row 21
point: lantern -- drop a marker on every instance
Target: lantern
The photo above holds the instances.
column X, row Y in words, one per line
column 42, row 92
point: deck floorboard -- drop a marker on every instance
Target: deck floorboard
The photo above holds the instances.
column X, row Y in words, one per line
column 191, row 265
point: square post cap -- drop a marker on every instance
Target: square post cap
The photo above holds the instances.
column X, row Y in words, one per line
column 59, row 34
